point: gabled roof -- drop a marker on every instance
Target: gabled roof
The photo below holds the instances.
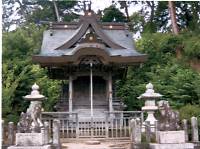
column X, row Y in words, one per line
column 65, row 43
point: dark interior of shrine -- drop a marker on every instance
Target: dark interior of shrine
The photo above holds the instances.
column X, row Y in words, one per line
column 81, row 96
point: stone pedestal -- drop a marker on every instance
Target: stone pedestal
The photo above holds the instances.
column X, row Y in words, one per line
column 30, row 141
column 31, row 147
column 172, row 146
column 171, row 140
column 171, row 136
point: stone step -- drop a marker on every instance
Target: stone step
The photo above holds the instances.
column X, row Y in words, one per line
column 87, row 112
column 92, row 142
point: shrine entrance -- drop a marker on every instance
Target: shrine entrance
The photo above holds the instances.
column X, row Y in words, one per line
column 81, row 98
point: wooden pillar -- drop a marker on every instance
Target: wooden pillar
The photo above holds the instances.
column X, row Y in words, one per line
column 110, row 91
column 91, row 98
column 70, row 93
column 91, row 89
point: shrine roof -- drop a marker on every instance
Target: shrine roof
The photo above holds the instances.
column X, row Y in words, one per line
column 66, row 39
column 50, row 43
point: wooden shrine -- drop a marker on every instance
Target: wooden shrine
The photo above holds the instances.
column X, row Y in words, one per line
column 90, row 55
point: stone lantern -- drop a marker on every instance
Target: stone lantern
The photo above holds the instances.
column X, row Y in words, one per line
column 31, row 134
column 150, row 106
column 35, row 94
column 31, row 120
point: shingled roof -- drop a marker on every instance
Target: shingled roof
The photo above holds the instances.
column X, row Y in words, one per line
column 65, row 43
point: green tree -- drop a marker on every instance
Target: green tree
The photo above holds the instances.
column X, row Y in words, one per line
column 30, row 11
column 112, row 14
column 19, row 74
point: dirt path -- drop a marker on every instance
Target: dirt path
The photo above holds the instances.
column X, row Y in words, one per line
column 102, row 145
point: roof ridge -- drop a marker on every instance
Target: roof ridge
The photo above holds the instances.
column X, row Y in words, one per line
column 87, row 20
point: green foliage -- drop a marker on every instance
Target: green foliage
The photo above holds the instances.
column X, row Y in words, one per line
column 187, row 111
column 164, row 43
column 19, row 74
column 188, row 14
column 171, row 77
column 137, row 22
column 154, row 16
column 46, row 11
column 162, row 16
column 192, row 46
column 111, row 13
column 25, row 12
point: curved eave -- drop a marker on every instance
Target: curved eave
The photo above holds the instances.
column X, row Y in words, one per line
column 69, row 60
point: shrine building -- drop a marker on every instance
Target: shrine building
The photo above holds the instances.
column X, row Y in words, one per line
column 89, row 56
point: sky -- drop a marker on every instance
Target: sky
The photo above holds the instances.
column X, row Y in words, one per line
column 101, row 4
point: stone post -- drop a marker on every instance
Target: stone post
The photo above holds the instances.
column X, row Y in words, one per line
column 18, row 127
column 2, row 131
column 46, row 132
column 133, row 126
column 148, row 131
column 56, row 133
column 135, row 130
column 195, row 134
column 138, row 131
column 185, row 128
column 157, row 131
column 43, row 134
column 11, row 133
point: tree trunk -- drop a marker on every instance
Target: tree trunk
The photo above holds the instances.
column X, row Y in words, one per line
column 127, row 14
column 124, row 5
column 56, row 11
column 172, row 12
column 151, row 4
column 23, row 8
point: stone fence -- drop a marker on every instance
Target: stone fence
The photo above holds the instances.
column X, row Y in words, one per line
column 9, row 137
column 189, row 128
column 8, row 133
